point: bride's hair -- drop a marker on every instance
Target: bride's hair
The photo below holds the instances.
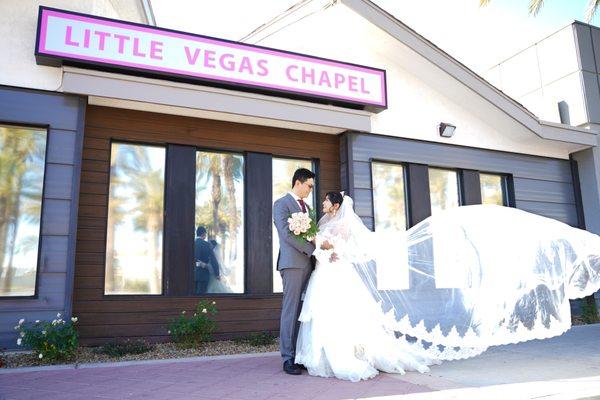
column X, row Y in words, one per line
column 335, row 197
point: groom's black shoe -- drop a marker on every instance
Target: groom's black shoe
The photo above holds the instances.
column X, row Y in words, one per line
column 290, row 368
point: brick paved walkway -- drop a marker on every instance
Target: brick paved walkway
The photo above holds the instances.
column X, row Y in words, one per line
column 252, row 378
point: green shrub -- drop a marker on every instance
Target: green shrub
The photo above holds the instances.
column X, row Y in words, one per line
column 56, row 340
column 193, row 330
column 589, row 311
column 119, row 349
column 257, row 339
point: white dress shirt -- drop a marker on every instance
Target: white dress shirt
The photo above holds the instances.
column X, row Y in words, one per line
column 296, row 197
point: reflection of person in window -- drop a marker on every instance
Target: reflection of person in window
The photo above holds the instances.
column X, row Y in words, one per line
column 220, row 285
column 204, row 257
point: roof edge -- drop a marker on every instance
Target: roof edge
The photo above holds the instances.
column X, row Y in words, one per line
column 401, row 32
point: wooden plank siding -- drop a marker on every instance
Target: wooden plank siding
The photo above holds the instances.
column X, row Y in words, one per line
column 104, row 317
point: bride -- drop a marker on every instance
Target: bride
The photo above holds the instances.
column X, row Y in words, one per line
column 448, row 288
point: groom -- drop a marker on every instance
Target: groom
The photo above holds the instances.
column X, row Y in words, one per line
column 293, row 263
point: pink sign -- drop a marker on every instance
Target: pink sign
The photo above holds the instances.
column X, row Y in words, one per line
column 80, row 39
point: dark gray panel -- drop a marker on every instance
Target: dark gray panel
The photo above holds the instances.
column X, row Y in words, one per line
column 436, row 154
column 344, row 176
column 45, row 301
column 52, row 284
column 369, row 222
column 61, row 147
column 9, row 320
column 179, row 220
column 418, row 195
column 470, row 187
column 542, row 185
column 362, row 174
column 259, row 228
column 54, row 254
column 55, row 217
column 536, row 190
column 363, row 202
column 39, row 108
column 566, row 213
column 64, row 116
column 58, row 183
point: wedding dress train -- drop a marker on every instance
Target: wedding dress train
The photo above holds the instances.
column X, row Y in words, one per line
column 448, row 288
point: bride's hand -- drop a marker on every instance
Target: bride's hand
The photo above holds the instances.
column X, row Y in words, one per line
column 334, row 257
column 326, row 245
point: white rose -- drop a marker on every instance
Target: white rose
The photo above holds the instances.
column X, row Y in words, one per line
column 19, row 341
column 41, row 355
column 73, row 319
column 214, row 302
column 54, row 322
column 58, row 315
column 22, row 334
column 296, row 232
column 37, row 321
column 21, row 321
column 204, row 311
column 169, row 332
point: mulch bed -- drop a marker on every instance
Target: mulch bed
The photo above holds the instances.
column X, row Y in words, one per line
column 159, row 351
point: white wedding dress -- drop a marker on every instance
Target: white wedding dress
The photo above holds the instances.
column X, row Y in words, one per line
column 501, row 276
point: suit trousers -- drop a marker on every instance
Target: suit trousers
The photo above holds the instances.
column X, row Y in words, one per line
column 294, row 284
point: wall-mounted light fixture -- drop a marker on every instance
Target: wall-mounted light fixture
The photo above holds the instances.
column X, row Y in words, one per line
column 446, row 130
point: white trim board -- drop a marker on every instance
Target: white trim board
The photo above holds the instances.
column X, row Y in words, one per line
column 146, row 94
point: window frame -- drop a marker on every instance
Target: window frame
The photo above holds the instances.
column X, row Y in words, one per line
column 315, row 193
column 459, row 186
column 46, row 128
column 245, row 217
column 121, row 296
column 507, row 186
column 407, row 211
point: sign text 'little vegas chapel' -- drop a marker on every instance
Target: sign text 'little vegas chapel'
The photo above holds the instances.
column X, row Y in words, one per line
column 64, row 36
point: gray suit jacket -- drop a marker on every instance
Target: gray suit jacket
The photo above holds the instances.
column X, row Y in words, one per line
column 293, row 253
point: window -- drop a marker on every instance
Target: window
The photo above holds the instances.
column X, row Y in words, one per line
column 283, row 171
column 134, row 239
column 493, row 189
column 443, row 189
column 389, row 200
column 219, row 242
column 22, row 160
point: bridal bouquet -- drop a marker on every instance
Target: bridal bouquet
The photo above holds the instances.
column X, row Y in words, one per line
column 303, row 225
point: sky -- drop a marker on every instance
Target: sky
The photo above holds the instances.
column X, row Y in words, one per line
column 480, row 37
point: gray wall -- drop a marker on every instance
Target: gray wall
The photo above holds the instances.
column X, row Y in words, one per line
column 64, row 117
column 589, row 179
column 543, row 186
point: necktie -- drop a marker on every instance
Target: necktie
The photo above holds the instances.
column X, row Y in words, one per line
column 302, row 205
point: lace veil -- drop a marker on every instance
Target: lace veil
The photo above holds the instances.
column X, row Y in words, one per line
column 472, row 277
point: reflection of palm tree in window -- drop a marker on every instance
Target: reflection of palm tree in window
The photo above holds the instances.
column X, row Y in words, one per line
column 396, row 201
column 443, row 187
column 116, row 213
column 147, row 191
column 220, row 213
column 21, row 166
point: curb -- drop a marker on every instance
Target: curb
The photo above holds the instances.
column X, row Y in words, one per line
column 134, row 362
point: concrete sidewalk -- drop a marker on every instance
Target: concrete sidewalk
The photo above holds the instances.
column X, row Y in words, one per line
column 567, row 367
